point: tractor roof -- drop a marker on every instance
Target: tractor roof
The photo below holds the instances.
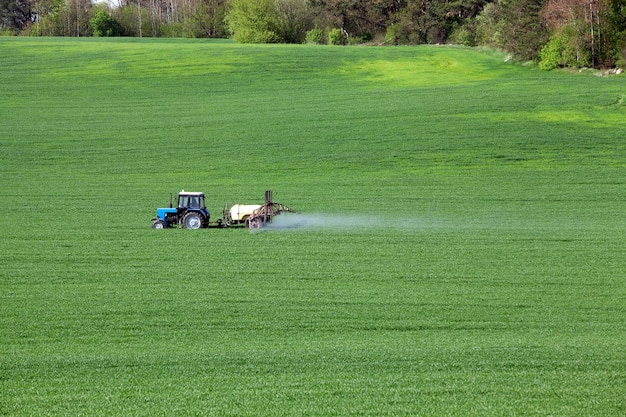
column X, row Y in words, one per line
column 194, row 193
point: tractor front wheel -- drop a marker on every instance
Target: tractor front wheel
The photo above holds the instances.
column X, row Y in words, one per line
column 158, row 224
column 192, row 221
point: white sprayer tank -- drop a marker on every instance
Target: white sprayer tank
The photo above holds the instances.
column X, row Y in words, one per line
column 240, row 212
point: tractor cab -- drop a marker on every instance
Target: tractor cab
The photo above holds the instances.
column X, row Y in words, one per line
column 188, row 200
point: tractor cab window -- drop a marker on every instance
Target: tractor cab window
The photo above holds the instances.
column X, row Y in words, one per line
column 191, row 201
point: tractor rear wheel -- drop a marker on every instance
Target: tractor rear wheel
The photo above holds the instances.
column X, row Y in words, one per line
column 192, row 220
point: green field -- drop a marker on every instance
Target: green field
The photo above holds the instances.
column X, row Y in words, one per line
column 470, row 259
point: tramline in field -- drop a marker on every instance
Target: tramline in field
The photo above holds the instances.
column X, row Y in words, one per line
column 191, row 213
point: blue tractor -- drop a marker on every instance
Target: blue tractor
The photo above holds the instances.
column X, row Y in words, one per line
column 191, row 212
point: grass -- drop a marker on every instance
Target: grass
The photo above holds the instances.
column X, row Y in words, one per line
column 480, row 270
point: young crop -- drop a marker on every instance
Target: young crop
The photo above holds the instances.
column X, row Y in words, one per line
column 459, row 248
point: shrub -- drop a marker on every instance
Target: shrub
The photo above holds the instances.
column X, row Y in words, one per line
column 172, row 30
column 315, row 36
column 253, row 21
column 465, row 34
column 391, row 34
column 103, row 24
column 564, row 49
column 337, row 37
column 550, row 54
column 402, row 33
column 359, row 40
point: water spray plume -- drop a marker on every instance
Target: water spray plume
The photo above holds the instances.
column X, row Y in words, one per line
column 322, row 221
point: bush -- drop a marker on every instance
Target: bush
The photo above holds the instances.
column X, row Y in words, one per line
column 550, row 55
column 465, row 34
column 564, row 49
column 172, row 30
column 391, row 34
column 402, row 33
column 359, row 40
column 315, row 36
column 253, row 21
column 103, row 24
column 337, row 37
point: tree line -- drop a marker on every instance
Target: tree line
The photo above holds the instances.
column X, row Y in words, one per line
column 555, row 33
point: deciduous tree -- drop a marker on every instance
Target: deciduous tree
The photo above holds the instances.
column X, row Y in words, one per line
column 103, row 24
column 295, row 19
column 588, row 26
column 15, row 14
column 523, row 30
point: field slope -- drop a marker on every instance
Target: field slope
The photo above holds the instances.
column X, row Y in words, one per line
column 462, row 247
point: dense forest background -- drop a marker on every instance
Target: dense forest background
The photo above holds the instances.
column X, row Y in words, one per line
column 555, row 33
